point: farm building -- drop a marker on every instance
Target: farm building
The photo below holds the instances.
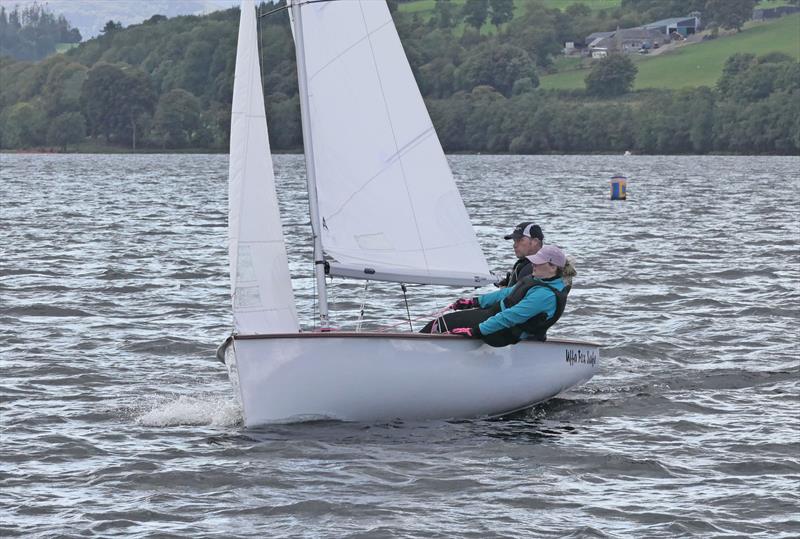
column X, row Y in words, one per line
column 684, row 26
column 629, row 40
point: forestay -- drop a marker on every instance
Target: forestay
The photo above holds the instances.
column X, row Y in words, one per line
column 261, row 287
column 389, row 207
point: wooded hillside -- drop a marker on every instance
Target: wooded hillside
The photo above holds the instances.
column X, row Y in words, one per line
column 167, row 84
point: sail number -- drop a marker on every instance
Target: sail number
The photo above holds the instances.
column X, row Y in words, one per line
column 582, row 357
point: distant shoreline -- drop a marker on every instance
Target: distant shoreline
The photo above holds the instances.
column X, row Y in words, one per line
column 209, row 151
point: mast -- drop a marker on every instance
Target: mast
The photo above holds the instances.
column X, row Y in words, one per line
column 311, row 177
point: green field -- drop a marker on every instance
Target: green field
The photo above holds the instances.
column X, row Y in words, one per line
column 699, row 64
column 64, row 47
column 772, row 3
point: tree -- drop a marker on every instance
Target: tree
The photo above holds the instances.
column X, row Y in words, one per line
column 24, row 125
column 284, row 111
column 445, row 14
column 67, row 128
column 177, row 118
column 535, row 31
column 498, row 66
column 449, row 117
column 735, row 64
column 502, row 11
column 138, row 101
column 484, row 123
column 755, row 83
column 613, row 75
column 193, row 73
column 475, row 12
column 437, row 78
column 701, row 107
column 775, row 57
column 98, row 99
column 788, row 80
column 522, row 86
column 68, row 34
column 111, row 27
column 729, row 13
column 62, row 89
column 661, row 9
column 578, row 10
column 32, row 34
column 114, row 99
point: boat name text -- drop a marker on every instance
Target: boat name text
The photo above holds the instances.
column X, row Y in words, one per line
column 584, row 357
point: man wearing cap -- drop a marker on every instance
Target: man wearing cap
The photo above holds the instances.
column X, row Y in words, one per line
column 508, row 315
column 528, row 239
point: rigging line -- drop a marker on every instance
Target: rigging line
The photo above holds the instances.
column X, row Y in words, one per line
column 425, row 317
column 363, row 303
column 316, row 304
column 408, row 312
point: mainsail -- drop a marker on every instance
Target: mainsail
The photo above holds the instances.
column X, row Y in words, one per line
column 261, row 287
column 388, row 206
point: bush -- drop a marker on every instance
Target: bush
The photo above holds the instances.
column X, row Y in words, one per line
column 610, row 76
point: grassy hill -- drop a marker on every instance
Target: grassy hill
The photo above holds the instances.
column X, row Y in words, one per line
column 699, row 64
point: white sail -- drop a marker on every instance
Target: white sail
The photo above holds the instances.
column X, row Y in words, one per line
column 261, row 287
column 388, row 204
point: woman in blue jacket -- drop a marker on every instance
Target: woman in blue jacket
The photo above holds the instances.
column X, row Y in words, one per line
column 508, row 315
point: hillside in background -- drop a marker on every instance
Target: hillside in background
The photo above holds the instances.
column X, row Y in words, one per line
column 699, row 64
column 90, row 16
column 166, row 83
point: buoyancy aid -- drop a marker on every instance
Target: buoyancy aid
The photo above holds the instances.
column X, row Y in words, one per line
column 522, row 268
column 535, row 327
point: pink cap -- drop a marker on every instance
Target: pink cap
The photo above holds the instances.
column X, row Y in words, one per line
column 549, row 253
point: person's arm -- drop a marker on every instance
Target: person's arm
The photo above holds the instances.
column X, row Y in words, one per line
column 537, row 300
column 487, row 300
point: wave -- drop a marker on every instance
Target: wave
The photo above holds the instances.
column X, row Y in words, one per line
column 180, row 410
column 44, row 310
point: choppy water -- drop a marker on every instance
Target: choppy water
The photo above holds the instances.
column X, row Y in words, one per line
column 117, row 420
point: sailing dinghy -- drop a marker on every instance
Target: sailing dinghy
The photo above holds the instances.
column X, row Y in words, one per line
column 384, row 207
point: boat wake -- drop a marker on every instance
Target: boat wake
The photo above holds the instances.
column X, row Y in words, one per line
column 177, row 410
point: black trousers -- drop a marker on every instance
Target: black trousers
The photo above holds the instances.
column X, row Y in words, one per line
column 458, row 319
column 470, row 318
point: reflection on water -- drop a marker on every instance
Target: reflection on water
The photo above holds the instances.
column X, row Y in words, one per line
column 117, row 419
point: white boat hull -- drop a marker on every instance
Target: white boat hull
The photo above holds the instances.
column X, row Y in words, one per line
column 378, row 376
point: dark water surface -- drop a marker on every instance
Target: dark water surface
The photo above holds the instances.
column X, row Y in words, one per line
column 117, row 420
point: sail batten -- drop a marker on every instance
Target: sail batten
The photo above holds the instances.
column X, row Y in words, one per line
column 261, row 288
column 386, row 195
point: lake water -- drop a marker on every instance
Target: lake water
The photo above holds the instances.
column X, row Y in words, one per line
column 117, row 420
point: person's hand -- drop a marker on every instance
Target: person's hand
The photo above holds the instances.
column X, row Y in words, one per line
column 464, row 303
column 504, row 282
column 464, row 332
